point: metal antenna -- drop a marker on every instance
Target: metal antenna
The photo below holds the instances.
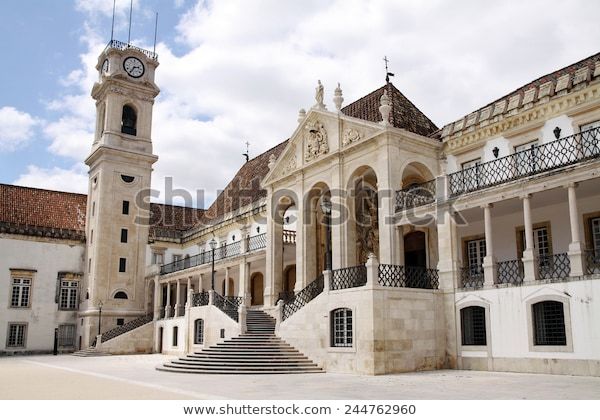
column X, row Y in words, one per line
column 112, row 28
column 155, row 32
column 247, row 154
column 130, row 12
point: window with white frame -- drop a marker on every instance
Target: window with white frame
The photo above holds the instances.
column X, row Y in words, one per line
column 595, row 223
column 199, row 331
column 16, row 335
column 525, row 157
column 66, row 335
column 68, row 294
column 549, row 324
column 475, row 254
column 541, row 238
column 341, row 327
column 158, row 258
column 21, row 292
column 590, row 140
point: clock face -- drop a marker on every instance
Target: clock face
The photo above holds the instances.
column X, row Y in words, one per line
column 134, row 67
column 105, row 66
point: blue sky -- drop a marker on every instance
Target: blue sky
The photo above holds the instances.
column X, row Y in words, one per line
column 238, row 70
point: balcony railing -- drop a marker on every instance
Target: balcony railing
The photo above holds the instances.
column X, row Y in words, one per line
column 120, row 45
column 228, row 307
column 227, row 251
column 415, row 195
column 349, row 277
column 592, row 261
column 257, row 242
column 303, row 297
column 200, row 299
column 556, row 154
column 289, row 236
column 471, row 276
column 411, row 277
column 557, row 266
column 510, row 272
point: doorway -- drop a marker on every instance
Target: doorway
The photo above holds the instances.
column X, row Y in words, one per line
column 415, row 249
column 257, row 289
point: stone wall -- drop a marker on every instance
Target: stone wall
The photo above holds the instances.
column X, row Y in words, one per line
column 139, row 340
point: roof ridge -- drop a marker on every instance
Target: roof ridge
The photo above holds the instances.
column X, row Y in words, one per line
column 40, row 189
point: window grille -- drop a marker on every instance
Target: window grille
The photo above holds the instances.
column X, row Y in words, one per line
column 341, row 328
column 175, row 334
column 21, row 288
column 66, row 335
column 16, row 335
column 472, row 322
column 549, row 324
column 68, row 294
column 199, row 331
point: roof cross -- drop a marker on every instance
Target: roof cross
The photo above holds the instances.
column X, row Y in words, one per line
column 387, row 73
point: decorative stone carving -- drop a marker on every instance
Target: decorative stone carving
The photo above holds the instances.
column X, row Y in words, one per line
column 351, row 135
column 471, row 119
column 316, row 141
column 385, row 108
column 513, row 102
column 319, row 95
column 562, row 83
column 447, row 130
column 301, row 115
column 458, row 125
column 529, row 96
column 338, row 98
column 272, row 160
column 581, row 75
column 546, row 89
column 499, row 108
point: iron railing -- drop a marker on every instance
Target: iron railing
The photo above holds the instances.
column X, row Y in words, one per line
column 226, row 251
column 410, row 277
column 303, row 297
column 236, row 300
column 416, row 195
column 592, row 261
column 556, row 154
column 557, row 266
column 228, row 307
column 200, row 299
column 120, row 45
column 289, row 236
column 510, row 272
column 257, row 242
column 122, row 329
column 286, row 296
column 346, row 278
column 472, row 276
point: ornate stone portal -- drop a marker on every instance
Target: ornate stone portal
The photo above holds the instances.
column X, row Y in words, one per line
column 316, row 141
column 351, row 135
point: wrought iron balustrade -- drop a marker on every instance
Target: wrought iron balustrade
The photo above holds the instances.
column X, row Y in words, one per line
column 303, row 297
column 235, row 300
column 221, row 253
column 120, row 45
column 200, row 299
column 510, row 272
column 592, row 261
column 286, row 296
column 410, row 277
column 557, row 266
column 289, row 236
column 228, row 307
column 122, row 329
column 472, row 276
column 579, row 147
column 257, row 242
column 415, row 195
column 346, row 278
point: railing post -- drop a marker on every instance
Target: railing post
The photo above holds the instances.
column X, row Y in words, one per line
column 278, row 313
column 327, row 278
column 372, row 271
column 242, row 311
column 211, row 297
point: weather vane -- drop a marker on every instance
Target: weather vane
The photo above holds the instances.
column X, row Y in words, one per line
column 387, row 73
column 247, row 154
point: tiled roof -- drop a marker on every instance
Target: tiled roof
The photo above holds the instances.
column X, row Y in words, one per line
column 404, row 113
column 574, row 76
column 166, row 220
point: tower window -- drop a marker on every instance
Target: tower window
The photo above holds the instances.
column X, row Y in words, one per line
column 122, row 265
column 125, row 207
column 127, row 178
column 124, row 236
column 129, row 121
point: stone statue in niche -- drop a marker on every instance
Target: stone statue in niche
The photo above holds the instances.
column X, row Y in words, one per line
column 367, row 227
column 316, row 141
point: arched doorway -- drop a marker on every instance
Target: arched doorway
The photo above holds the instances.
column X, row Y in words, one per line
column 318, row 235
column 289, row 280
column 257, row 289
column 415, row 249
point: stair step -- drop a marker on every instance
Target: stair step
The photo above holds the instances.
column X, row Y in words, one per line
column 231, row 364
column 242, row 368
column 165, row 368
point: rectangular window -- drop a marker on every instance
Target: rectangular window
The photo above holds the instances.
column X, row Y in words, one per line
column 122, row 265
column 66, row 335
column 541, row 238
column 175, row 333
column 125, row 207
column 124, row 236
column 595, row 223
column 549, row 324
column 475, row 254
column 525, row 158
column 120, row 321
column 68, row 295
column 16, row 335
column 158, row 258
column 341, row 328
column 472, row 323
column 21, row 290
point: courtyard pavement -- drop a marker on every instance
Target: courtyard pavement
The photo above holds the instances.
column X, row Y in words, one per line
column 135, row 377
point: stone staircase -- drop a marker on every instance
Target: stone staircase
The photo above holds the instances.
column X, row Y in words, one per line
column 259, row 351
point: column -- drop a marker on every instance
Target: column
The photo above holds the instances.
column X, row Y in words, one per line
column 489, row 261
column 400, row 246
column 274, row 260
column 244, row 288
column 575, row 247
column 168, row 304
column 200, row 283
column 178, row 299
column 227, row 291
column 188, row 291
column 530, row 262
column 157, row 298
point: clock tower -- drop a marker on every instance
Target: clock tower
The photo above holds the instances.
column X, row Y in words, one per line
column 120, row 165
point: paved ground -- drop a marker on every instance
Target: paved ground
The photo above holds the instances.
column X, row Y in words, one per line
column 134, row 377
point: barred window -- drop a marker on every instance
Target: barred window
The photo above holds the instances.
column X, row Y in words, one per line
column 68, row 294
column 21, row 289
column 175, row 334
column 549, row 324
column 16, row 335
column 341, row 327
column 472, row 325
column 66, row 335
column 595, row 223
column 199, row 331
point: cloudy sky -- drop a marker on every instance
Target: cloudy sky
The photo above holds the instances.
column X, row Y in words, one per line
column 237, row 71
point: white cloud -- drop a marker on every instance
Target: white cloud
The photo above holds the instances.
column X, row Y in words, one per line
column 74, row 179
column 16, row 128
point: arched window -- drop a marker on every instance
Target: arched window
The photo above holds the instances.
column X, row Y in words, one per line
column 472, row 325
column 121, row 295
column 341, row 327
column 549, row 324
column 199, row 331
column 129, row 121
